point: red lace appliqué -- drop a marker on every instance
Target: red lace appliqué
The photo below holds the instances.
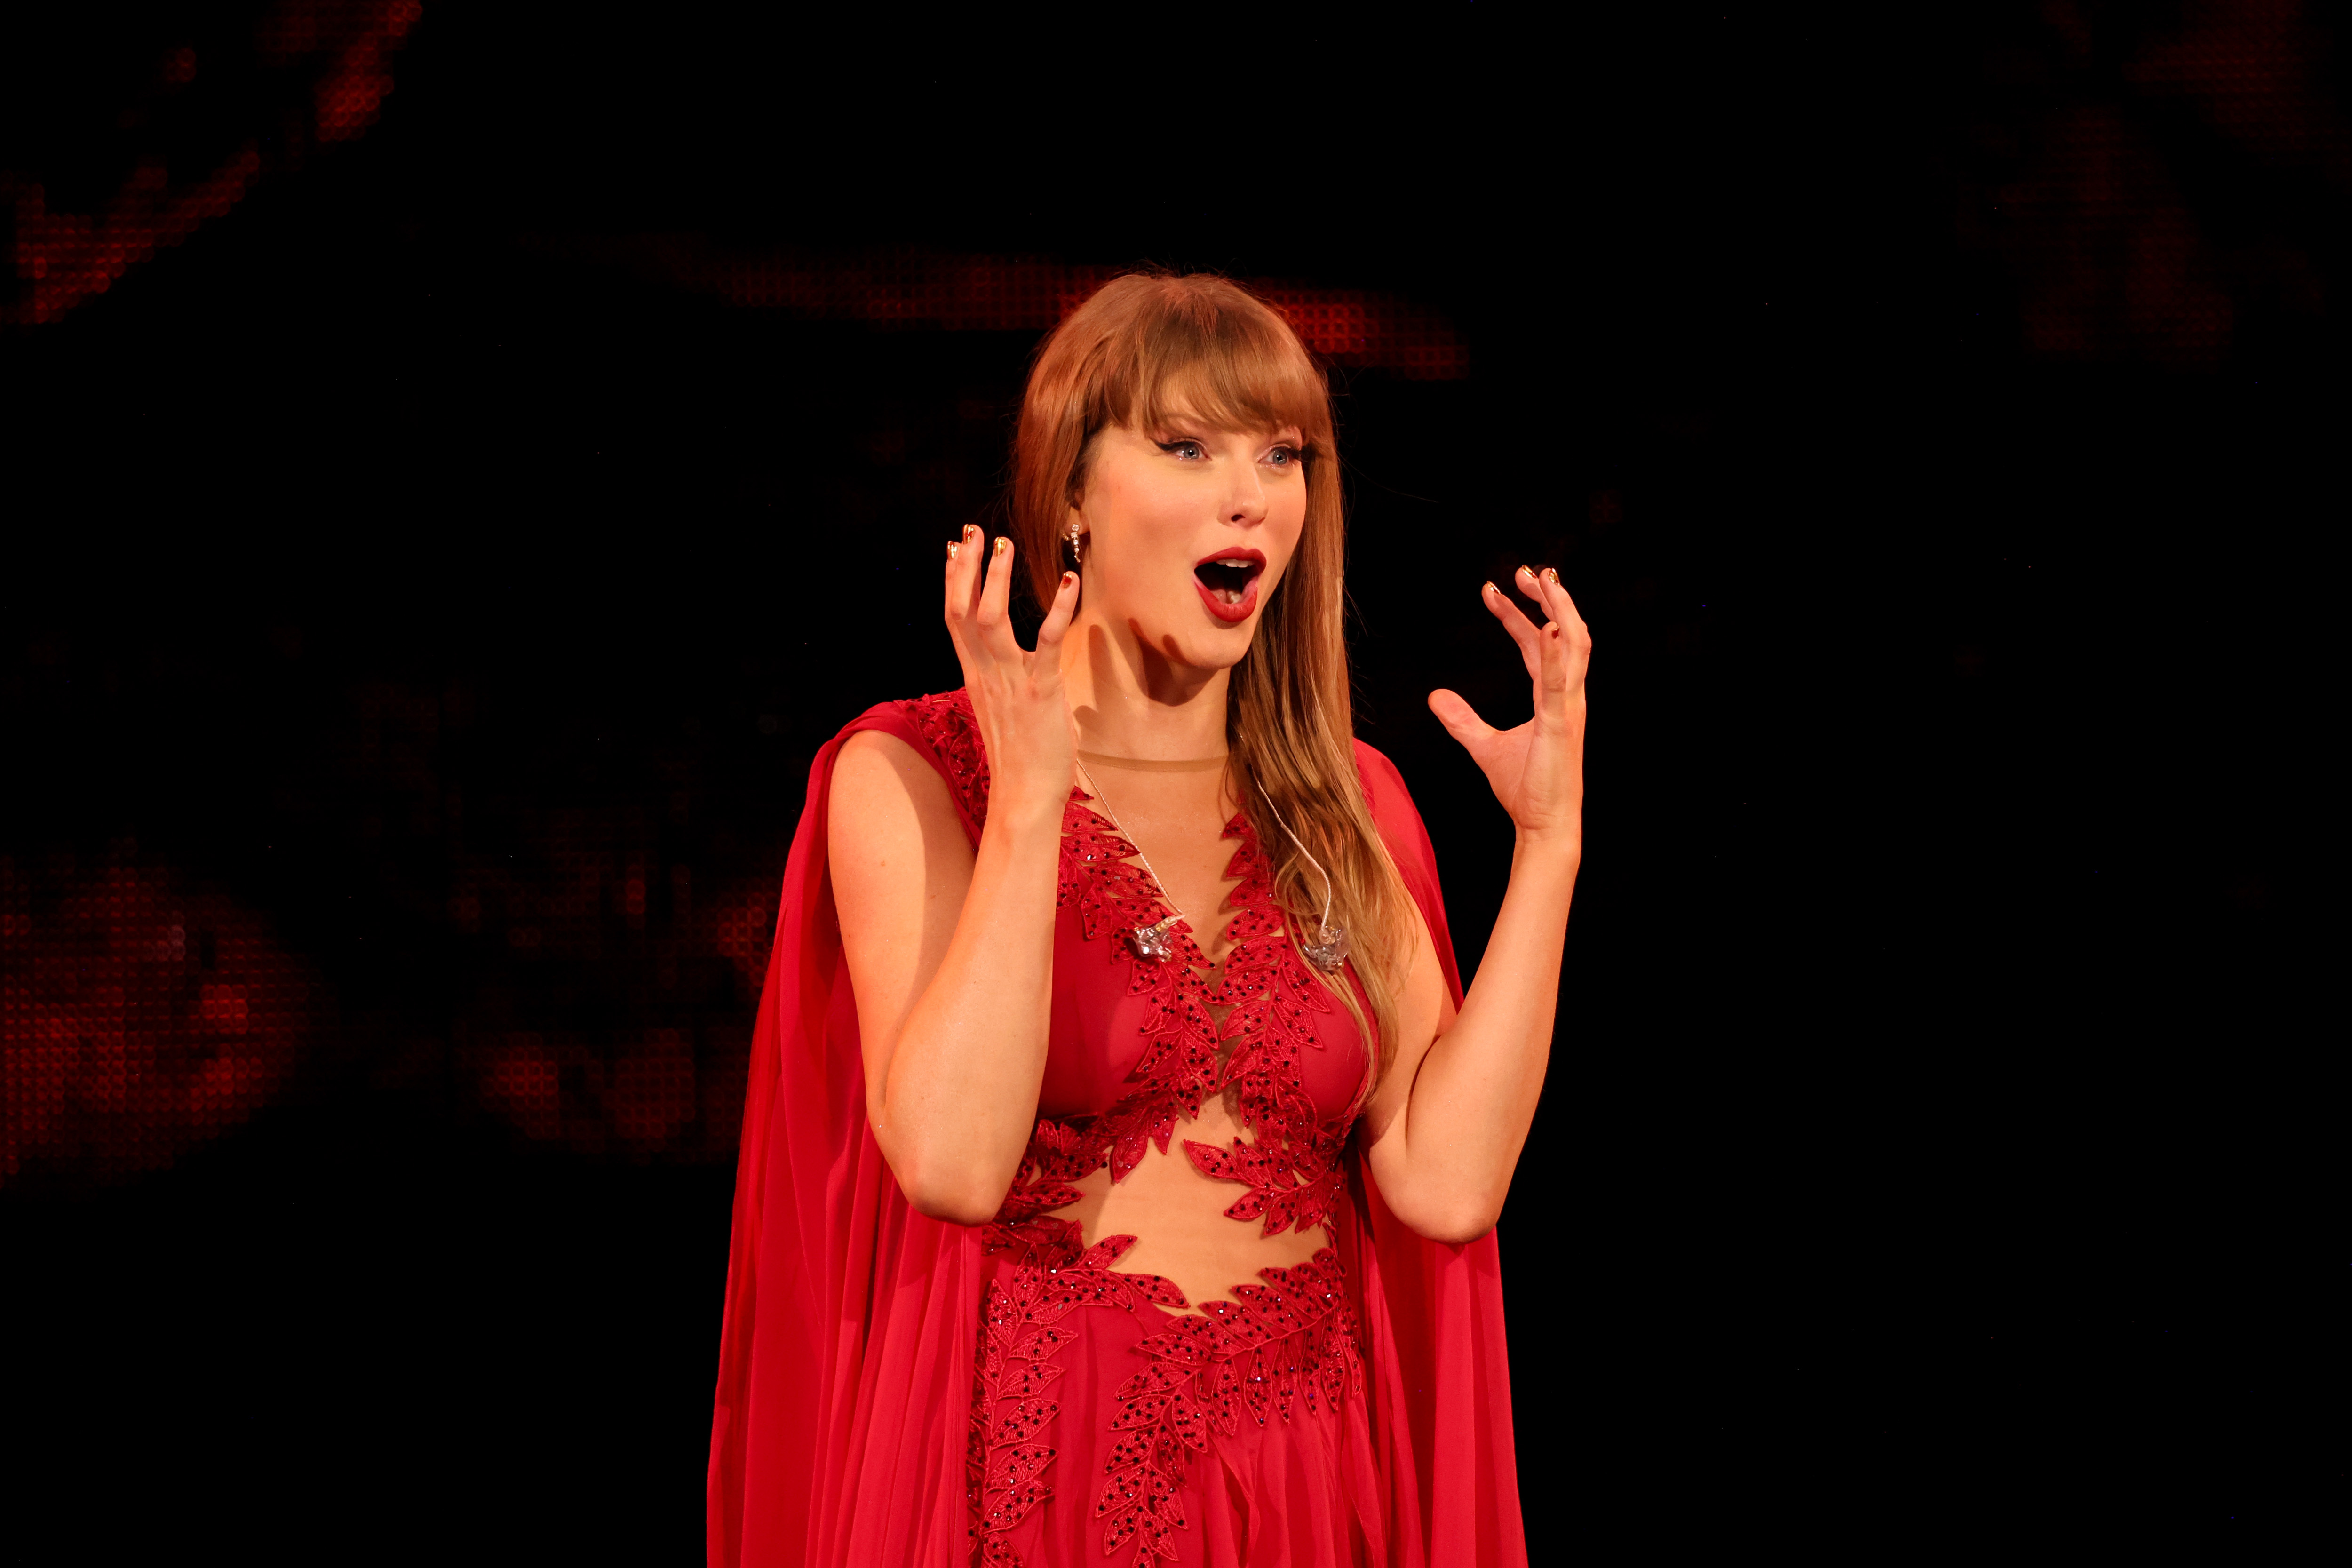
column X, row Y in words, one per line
column 1177, row 1068
column 1292, row 1170
column 1290, row 1338
column 1289, row 1341
column 1020, row 1331
column 949, row 729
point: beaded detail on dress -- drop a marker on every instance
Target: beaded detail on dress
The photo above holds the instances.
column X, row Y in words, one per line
column 1021, row 1331
column 1287, row 1343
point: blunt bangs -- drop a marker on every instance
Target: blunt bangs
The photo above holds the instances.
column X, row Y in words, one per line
column 1230, row 362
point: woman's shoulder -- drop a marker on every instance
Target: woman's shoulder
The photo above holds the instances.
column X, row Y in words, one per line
column 939, row 729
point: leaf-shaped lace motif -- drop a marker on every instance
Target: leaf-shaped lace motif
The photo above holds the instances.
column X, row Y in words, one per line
column 1021, row 1331
column 1289, row 1342
column 949, row 727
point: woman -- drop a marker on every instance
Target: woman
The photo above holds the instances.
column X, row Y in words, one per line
column 1122, row 1156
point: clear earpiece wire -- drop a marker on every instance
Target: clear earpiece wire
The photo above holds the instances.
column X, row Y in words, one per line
column 1328, row 951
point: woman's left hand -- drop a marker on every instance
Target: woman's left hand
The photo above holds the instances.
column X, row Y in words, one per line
column 1537, row 769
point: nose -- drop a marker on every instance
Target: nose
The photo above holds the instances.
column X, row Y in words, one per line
column 1245, row 499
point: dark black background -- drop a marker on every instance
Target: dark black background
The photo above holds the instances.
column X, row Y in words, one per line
column 1903, row 1170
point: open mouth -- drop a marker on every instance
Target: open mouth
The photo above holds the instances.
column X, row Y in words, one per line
column 1228, row 582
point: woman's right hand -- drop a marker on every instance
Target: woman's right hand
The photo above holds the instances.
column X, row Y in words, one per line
column 1016, row 694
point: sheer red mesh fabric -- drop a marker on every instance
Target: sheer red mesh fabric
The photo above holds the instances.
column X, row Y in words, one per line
column 893, row 1389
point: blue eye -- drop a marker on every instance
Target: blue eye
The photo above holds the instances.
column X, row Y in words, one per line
column 1182, row 448
column 1283, row 457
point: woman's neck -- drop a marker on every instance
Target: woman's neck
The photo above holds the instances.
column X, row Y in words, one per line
column 1131, row 702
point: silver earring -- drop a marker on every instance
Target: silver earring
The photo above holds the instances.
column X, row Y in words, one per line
column 1076, row 557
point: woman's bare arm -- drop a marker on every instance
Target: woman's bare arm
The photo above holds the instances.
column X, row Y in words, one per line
column 951, row 956
column 951, row 952
column 1445, row 1127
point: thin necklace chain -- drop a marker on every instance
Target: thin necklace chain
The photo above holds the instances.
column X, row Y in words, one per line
column 1174, row 914
column 1096, row 790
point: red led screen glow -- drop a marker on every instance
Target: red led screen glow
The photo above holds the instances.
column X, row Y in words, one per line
column 2115, row 253
column 137, row 1019
column 660, row 1067
column 342, row 49
column 911, row 287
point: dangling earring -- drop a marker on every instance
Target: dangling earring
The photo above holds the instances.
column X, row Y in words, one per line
column 1074, row 536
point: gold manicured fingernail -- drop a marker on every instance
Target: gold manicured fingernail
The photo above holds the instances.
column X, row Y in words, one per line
column 1526, row 571
column 953, row 548
column 1492, row 589
column 1002, row 544
column 1551, row 574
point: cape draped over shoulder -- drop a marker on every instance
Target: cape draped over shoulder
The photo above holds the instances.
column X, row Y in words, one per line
column 840, row 1427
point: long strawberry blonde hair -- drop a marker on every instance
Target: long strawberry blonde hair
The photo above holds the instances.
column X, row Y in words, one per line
column 1147, row 345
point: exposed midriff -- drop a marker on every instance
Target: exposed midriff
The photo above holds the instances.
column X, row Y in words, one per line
column 1178, row 1218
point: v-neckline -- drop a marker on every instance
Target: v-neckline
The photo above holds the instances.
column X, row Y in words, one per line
column 1237, row 827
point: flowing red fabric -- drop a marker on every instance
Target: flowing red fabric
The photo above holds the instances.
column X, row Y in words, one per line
column 847, row 1359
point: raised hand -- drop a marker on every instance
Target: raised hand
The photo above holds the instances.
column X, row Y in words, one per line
column 1016, row 694
column 1537, row 769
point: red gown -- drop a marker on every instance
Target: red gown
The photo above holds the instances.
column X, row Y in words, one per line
column 896, row 1390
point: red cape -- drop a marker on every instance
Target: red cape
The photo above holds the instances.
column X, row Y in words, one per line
column 845, row 1361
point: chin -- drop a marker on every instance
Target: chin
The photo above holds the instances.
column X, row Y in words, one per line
column 1196, row 647
column 1222, row 652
